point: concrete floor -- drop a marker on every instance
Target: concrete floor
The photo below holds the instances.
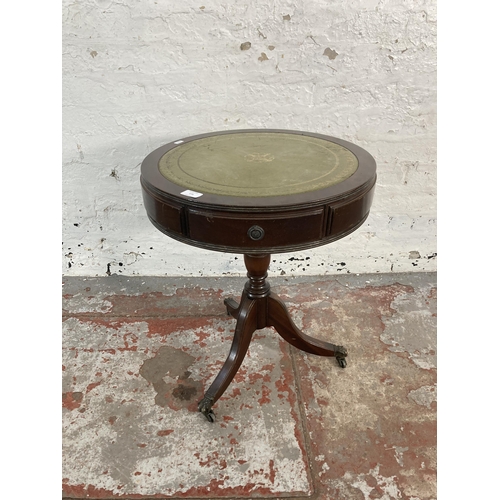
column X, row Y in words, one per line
column 138, row 354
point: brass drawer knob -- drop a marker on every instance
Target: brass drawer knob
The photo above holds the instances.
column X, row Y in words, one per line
column 256, row 233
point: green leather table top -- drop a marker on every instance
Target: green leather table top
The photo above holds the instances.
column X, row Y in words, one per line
column 257, row 164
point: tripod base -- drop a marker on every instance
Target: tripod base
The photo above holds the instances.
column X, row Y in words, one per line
column 260, row 308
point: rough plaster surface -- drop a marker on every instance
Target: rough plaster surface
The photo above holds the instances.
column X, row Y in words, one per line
column 193, row 461
column 141, row 74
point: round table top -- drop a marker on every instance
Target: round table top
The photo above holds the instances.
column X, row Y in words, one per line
column 258, row 168
column 257, row 164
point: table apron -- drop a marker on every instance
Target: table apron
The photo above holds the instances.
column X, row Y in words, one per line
column 224, row 229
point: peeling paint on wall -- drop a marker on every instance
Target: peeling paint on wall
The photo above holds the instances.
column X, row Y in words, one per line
column 331, row 54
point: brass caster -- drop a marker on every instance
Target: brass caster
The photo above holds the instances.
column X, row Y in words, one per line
column 340, row 354
column 342, row 362
column 205, row 407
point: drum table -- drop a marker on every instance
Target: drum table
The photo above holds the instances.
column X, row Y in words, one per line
column 258, row 192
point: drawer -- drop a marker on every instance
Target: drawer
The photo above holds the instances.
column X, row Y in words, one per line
column 347, row 216
column 247, row 230
column 167, row 215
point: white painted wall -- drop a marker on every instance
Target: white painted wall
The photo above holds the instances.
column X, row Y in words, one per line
column 141, row 73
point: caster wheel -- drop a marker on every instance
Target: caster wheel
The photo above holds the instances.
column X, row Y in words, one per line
column 342, row 362
column 205, row 407
column 210, row 416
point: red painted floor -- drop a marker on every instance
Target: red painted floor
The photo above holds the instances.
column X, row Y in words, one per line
column 138, row 354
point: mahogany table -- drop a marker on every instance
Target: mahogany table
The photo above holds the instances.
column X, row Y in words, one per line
column 258, row 192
